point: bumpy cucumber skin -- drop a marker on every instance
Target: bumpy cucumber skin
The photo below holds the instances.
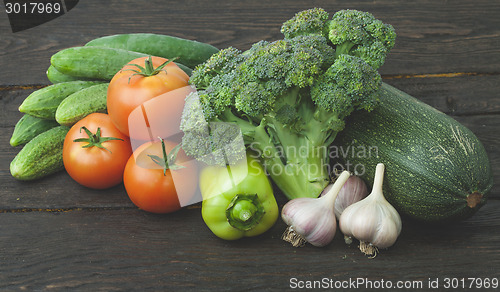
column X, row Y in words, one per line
column 82, row 103
column 96, row 63
column 43, row 103
column 28, row 127
column 41, row 156
column 92, row 62
column 189, row 52
column 55, row 76
column 433, row 163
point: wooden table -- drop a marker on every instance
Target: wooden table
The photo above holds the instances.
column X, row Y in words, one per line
column 57, row 235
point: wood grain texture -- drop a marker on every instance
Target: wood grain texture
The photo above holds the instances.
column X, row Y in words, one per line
column 433, row 36
column 58, row 235
column 115, row 250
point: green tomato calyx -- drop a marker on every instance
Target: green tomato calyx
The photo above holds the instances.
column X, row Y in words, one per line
column 245, row 211
column 148, row 70
column 95, row 139
column 167, row 161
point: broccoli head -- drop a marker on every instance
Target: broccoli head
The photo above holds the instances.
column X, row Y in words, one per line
column 288, row 98
column 348, row 84
column 361, row 34
column 307, row 22
column 350, row 32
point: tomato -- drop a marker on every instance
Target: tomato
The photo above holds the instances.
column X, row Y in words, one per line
column 98, row 157
column 133, row 85
column 151, row 187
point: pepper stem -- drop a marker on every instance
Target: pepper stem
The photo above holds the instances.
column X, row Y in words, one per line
column 244, row 211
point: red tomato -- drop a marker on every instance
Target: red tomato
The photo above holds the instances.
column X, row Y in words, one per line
column 93, row 166
column 150, row 187
column 127, row 89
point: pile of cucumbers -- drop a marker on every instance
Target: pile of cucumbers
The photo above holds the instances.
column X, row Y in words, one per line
column 80, row 77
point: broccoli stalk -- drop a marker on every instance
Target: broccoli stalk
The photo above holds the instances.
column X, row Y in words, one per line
column 289, row 99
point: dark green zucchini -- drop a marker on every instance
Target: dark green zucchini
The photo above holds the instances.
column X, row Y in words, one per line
column 436, row 169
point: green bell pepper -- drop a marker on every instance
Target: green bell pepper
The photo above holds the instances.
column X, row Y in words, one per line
column 238, row 200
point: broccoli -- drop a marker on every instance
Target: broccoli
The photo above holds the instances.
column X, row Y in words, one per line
column 289, row 99
column 351, row 32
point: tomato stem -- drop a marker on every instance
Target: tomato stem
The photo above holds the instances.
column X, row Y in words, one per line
column 148, row 69
column 164, row 161
column 95, row 139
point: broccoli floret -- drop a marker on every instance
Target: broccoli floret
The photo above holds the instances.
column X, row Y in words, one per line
column 350, row 32
column 346, row 86
column 361, row 34
column 288, row 98
column 307, row 22
column 221, row 62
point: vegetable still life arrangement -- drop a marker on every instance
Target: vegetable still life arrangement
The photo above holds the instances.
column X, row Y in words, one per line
column 253, row 120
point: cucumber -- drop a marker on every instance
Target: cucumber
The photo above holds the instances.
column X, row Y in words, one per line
column 41, row 156
column 436, row 169
column 92, row 62
column 55, row 76
column 96, row 62
column 190, row 53
column 82, row 103
column 43, row 103
column 28, row 127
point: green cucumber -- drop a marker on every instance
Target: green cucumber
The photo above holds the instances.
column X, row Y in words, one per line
column 41, row 156
column 189, row 52
column 96, row 62
column 436, row 169
column 28, row 127
column 82, row 103
column 92, row 62
column 55, row 76
column 43, row 103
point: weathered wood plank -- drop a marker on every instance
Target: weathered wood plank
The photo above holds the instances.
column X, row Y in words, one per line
column 433, row 36
column 125, row 249
column 456, row 96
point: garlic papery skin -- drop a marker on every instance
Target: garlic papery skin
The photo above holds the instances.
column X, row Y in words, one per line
column 312, row 219
column 373, row 220
column 354, row 190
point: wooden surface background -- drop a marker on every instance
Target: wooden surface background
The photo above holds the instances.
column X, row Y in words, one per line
column 57, row 235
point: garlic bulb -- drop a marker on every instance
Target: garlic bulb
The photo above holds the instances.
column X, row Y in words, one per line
column 354, row 190
column 373, row 220
column 312, row 219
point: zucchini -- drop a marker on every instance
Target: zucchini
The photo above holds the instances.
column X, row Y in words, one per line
column 96, row 62
column 436, row 169
column 43, row 103
column 55, row 76
column 82, row 103
column 189, row 52
column 28, row 127
column 41, row 156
